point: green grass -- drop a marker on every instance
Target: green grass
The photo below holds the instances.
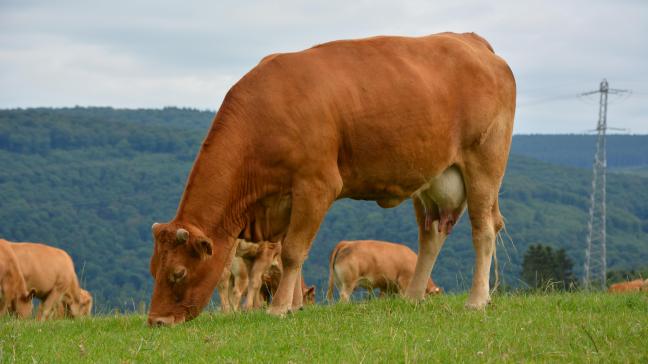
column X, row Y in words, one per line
column 576, row 327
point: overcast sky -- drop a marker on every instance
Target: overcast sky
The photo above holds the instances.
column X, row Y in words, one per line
column 142, row 54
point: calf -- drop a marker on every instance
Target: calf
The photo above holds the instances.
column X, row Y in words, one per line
column 244, row 276
column 233, row 285
column 255, row 272
column 372, row 264
column 271, row 280
column 49, row 272
column 14, row 296
column 631, row 286
column 85, row 306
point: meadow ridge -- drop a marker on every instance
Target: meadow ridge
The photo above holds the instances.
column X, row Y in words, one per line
column 567, row 327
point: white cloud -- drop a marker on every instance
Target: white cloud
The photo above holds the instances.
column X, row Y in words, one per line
column 157, row 53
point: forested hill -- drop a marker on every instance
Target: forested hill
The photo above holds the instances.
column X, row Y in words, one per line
column 92, row 181
column 623, row 151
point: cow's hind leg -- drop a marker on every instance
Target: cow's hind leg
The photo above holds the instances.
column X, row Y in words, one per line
column 346, row 290
column 483, row 170
column 310, row 201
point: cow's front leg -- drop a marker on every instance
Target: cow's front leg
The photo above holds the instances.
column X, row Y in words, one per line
column 310, row 202
column 46, row 309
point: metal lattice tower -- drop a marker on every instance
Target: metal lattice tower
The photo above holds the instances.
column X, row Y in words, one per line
column 595, row 254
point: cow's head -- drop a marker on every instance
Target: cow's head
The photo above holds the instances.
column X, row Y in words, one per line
column 432, row 288
column 22, row 305
column 85, row 303
column 309, row 296
column 182, row 266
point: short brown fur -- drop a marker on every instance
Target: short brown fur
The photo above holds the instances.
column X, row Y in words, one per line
column 372, row 264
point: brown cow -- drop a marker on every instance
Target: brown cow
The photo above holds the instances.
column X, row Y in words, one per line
column 383, row 119
column 271, row 279
column 631, row 286
column 372, row 264
column 14, row 296
column 249, row 260
column 85, row 306
column 49, row 272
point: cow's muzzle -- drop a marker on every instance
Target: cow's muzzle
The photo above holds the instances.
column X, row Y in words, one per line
column 156, row 321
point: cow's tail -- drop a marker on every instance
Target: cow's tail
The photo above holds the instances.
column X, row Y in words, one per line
column 331, row 282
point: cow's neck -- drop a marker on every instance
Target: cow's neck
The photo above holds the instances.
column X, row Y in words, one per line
column 213, row 198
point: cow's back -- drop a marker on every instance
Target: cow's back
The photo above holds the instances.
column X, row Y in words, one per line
column 377, row 259
column 391, row 112
column 45, row 267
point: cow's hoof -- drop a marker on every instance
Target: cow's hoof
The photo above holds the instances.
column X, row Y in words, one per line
column 413, row 297
column 277, row 311
column 477, row 304
column 295, row 309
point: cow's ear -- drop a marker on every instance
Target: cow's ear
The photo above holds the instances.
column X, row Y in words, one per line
column 29, row 295
column 311, row 290
column 204, row 247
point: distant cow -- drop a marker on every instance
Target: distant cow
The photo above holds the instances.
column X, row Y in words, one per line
column 271, row 279
column 372, row 264
column 49, row 272
column 85, row 306
column 254, row 273
column 258, row 257
column 233, row 285
column 14, row 296
column 631, row 286
column 244, row 276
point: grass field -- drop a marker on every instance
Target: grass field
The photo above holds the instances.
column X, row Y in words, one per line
column 577, row 327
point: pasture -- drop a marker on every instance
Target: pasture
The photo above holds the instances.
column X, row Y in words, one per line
column 576, row 327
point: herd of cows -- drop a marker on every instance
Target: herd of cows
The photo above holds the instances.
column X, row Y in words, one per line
column 383, row 119
column 34, row 270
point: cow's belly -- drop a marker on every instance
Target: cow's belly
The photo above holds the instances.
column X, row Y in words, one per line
column 446, row 190
column 394, row 166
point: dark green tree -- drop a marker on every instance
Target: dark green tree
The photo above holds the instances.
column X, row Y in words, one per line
column 543, row 268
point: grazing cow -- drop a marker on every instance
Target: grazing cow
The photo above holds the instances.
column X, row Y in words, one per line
column 383, row 119
column 49, row 272
column 14, row 296
column 631, row 286
column 372, row 264
column 85, row 306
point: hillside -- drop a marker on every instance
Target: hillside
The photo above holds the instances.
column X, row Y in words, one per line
column 623, row 151
column 93, row 180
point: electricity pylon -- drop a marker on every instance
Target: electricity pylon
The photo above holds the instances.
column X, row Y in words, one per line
column 595, row 254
